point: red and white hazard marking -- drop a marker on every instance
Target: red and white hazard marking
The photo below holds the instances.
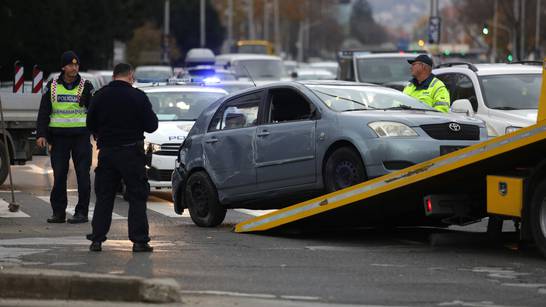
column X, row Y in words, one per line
column 18, row 80
column 37, row 80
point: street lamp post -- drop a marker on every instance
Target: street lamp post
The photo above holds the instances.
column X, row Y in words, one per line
column 202, row 21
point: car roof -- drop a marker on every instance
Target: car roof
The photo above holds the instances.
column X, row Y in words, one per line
column 494, row 69
column 181, row 88
column 152, row 67
column 386, row 55
column 313, row 71
column 246, row 56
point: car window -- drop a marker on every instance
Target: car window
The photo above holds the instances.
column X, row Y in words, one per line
column 286, row 105
column 460, row 86
column 240, row 112
column 382, row 70
column 344, row 98
column 179, row 106
column 512, row 91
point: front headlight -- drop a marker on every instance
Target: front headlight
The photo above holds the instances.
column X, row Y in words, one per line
column 511, row 129
column 388, row 129
column 151, row 147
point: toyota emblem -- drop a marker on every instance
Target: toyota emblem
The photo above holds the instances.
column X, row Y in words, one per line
column 454, row 127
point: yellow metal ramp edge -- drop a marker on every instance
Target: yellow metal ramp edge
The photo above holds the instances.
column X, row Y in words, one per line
column 410, row 175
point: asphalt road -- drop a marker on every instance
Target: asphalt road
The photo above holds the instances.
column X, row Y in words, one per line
column 404, row 267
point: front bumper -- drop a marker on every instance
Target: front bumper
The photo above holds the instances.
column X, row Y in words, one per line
column 160, row 170
column 383, row 156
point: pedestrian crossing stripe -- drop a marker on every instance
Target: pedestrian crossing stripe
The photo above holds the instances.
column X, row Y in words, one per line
column 72, row 200
column 4, row 211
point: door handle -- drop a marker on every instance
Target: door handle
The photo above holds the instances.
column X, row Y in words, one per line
column 211, row 140
column 263, row 133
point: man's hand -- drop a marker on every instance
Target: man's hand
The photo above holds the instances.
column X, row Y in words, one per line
column 41, row 142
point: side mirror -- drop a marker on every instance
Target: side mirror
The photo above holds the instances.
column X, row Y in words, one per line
column 462, row 106
column 294, row 75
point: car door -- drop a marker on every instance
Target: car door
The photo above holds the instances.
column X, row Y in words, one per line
column 285, row 142
column 229, row 142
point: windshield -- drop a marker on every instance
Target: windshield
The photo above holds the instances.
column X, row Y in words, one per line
column 259, row 69
column 153, row 75
column 511, row 92
column 382, row 70
column 178, row 106
column 352, row 98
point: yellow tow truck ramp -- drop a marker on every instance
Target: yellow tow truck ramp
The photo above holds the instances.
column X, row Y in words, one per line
column 427, row 193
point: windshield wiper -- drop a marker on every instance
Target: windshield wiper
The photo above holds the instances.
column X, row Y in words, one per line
column 406, row 107
column 347, row 99
column 505, row 108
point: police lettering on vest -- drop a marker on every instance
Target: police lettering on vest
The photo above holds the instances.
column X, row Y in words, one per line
column 65, row 104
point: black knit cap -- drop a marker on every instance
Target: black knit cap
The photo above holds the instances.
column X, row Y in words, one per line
column 69, row 57
column 423, row 58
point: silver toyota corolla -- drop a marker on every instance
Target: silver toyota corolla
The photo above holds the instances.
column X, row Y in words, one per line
column 267, row 146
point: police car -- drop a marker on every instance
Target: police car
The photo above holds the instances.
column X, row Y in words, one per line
column 177, row 108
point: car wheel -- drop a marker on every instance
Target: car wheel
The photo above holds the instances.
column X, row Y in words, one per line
column 202, row 199
column 538, row 217
column 343, row 169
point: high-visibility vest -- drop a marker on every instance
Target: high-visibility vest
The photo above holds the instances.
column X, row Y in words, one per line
column 66, row 111
column 436, row 95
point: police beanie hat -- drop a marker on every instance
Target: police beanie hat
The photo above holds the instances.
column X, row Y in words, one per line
column 69, row 57
column 423, row 58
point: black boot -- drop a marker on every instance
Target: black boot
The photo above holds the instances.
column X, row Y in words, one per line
column 142, row 247
column 78, row 218
column 56, row 219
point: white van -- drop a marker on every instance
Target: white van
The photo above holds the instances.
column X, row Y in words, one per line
column 505, row 96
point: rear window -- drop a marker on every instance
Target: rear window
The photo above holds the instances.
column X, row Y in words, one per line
column 383, row 70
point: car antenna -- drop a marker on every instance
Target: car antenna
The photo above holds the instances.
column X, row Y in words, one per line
column 248, row 74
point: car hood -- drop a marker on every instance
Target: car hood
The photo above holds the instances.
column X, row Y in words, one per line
column 517, row 118
column 413, row 118
column 169, row 132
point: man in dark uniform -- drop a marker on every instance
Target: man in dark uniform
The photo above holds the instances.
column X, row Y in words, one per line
column 62, row 123
column 118, row 116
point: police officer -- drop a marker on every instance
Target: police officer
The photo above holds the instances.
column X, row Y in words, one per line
column 119, row 115
column 425, row 86
column 61, row 123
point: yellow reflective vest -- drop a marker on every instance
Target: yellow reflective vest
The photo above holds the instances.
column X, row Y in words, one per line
column 432, row 91
column 66, row 111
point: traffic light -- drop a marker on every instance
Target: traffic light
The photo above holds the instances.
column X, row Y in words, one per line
column 485, row 29
column 421, row 43
column 510, row 58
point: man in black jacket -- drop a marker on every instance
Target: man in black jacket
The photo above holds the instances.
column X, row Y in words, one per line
column 61, row 123
column 118, row 116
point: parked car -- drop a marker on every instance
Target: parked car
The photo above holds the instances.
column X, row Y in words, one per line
column 252, row 66
column 176, row 107
column 285, row 140
column 330, row 66
column 505, row 96
column 152, row 74
column 312, row 74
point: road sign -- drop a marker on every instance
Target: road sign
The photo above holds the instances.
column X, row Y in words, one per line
column 434, row 30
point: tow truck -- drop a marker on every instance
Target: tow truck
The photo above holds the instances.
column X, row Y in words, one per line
column 503, row 178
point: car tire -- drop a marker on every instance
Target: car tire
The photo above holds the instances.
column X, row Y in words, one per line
column 343, row 169
column 537, row 217
column 202, row 199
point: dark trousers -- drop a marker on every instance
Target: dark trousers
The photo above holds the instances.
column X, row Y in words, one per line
column 114, row 164
column 80, row 148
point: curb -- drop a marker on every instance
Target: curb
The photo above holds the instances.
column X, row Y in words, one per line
column 66, row 285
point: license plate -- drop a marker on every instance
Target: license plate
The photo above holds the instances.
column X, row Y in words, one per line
column 444, row 150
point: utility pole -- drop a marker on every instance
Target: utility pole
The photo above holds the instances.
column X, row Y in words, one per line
column 278, row 47
column 523, row 50
column 495, row 27
column 516, row 39
column 202, row 36
column 537, row 32
column 266, row 20
column 230, row 25
column 250, row 19
column 166, row 26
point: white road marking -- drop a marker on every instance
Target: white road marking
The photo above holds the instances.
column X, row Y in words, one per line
column 254, row 212
column 522, row 285
column 4, row 211
column 35, row 169
column 165, row 208
column 72, row 200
